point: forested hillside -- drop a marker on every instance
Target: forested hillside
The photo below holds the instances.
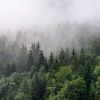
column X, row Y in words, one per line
column 49, row 49
column 26, row 74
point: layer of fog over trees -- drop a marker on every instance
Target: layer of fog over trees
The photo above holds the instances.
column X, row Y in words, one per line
column 54, row 37
column 14, row 48
column 54, row 24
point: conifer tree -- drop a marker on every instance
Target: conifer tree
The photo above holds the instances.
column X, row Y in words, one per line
column 74, row 58
column 24, row 92
column 62, row 57
column 82, row 57
column 30, row 61
column 67, row 56
column 97, row 93
column 41, row 58
column 56, row 63
column 51, row 60
column 38, row 87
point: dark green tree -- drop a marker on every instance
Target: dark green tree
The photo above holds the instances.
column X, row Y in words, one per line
column 86, row 72
column 82, row 57
column 30, row 61
column 51, row 60
column 62, row 57
column 41, row 58
column 67, row 56
column 56, row 63
column 24, row 92
column 74, row 58
column 38, row 87
column 97, row 93
column 75, row 90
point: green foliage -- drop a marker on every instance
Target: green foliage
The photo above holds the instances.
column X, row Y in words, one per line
column 30, row 59
column 9, row 69
column 97, row 92
column 38, row 86
column 67, row 57
column 51, row 60
column 98, row 59
column 62, row 57
column 74, row 58
column 24, row 92
column 75, row 89
column 32, row 76
column 41, row 59
column 64, row 73
column 55, row 81
column 97, row 70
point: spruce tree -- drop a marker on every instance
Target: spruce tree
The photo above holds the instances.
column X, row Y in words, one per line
column 41, row 58
column 30, row 61
column 62, row 57
column 74, row 58
column 51, row 60
column 38, row 87
column 67, row 57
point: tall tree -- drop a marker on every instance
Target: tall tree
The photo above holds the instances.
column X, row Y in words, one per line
column 56, row 63
column 97, row 93
column 24, row 92
column 51, row 60
column 38, row 87
column 82, row 57
column 74, row 58
column 41, row 58
column 21, row 59
column 67, row 56
column 62, row 57
column 30, row 61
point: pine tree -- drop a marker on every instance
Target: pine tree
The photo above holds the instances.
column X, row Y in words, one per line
column 33, row 47
column 56, row 63
column 13, row 67
column 38, row 87
column 7, row 91
column 36, row 54
column 24, row 92
column 82, row 57
column 97, row 93
column 62, row 57
column 30, row 59
column 51, row 60
column 46, row 65
column 86, row 71
column 67, row 56
column 9, row 69
column 41, row 58
column 74, row 58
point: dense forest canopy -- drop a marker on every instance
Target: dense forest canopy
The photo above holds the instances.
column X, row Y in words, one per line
column 26, row 73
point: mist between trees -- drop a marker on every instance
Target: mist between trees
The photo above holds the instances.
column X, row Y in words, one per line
column 70, row 70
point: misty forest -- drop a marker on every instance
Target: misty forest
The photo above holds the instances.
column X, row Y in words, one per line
column 26, row 73
column 49, row 50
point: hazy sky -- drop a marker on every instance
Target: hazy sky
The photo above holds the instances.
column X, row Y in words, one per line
column 17, row 14
column 54, row 23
